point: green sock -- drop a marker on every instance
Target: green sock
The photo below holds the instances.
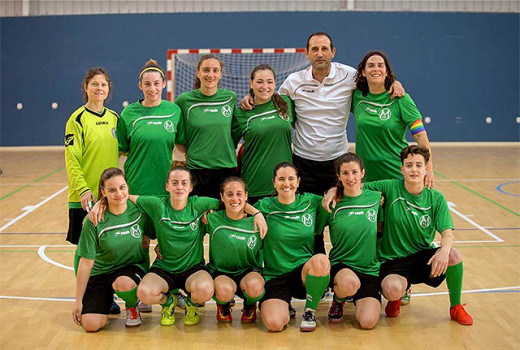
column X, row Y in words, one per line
column 169, row 300
column 130, row 297
column 251, row 300
column 315, row 286
column 218, row 301
column 340, row 299
column 189, row 302
column 454, row 281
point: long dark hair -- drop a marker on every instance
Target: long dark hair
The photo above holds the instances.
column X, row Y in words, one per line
column 281, row 106
column 361, row 81
column 106, row 175
column 196, row 83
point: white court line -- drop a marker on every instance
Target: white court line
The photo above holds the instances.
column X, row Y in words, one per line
column 32, row 209
column 475, row 180
column 41, row 253
column 464, row 217
column 483, row 290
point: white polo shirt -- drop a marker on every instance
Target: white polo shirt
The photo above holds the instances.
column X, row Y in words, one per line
column 322, row 111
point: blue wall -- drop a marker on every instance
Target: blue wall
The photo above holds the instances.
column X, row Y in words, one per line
column 458, row 67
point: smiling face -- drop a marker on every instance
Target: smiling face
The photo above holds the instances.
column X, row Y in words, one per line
column 414, row 169
column 97, row 89
column 209, row 74
column 234, row 197
column 319, row 52
column 179, row 185
column 116, row 191
column 286, row 183
column 263, row 86
column 152, row 85
column 350, row 175
column 375, row 71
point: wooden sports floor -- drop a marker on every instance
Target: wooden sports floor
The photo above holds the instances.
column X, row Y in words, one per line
column 481, row 181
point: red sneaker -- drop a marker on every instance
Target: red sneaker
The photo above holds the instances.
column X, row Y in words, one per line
column 224, row 313
column 248, row 314
column 393, row 308
column 336, row 311
column 460, row 315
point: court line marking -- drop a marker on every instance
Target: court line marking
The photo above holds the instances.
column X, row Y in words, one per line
column 483, row 290
column 41, row 253
column 499, row 189
column 31, row 183
column 452, row 206
column 32, row 208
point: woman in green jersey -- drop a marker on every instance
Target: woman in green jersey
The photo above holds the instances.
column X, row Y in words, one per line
column 235, row 259
column 353, row 234
column 382, row 122
column 90, row 147
column 148, row 131
column 266, row 131
column 207, row 114
column 110, row 257
column 290, row 267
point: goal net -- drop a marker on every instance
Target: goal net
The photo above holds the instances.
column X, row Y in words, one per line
column 238, row 64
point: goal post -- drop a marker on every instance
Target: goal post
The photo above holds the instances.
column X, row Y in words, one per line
column 238, row 64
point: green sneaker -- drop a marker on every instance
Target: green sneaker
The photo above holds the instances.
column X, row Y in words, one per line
column 191, row 315
column 405, row 300
column 167, row 312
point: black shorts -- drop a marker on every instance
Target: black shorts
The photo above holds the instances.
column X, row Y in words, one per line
column 99, row 293
column 370, row 285
column 316, row 177
column 76, row 217
column 414, row 268
column 236, row 278
column 176, row 280
column 207, row 181
column 286, row 287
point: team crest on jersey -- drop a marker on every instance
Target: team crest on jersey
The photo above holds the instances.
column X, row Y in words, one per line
column 193, row 225
column 114, row 133
column 307, row 219
column 226, row 111
column 385, row 114
column 168, row 125
column 251, row 242
column 371, row 215
column 135, row 231
column 425, row 221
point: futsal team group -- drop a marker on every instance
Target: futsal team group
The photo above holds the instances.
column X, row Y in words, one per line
column 265, row 213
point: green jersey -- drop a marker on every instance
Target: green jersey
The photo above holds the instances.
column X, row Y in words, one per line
column 267, row 142
column 234, row 246
column 149, row 135
column 410, row 221
column 90, row 148
column 179, row 232
column 353, row 232
column 381, row 124
column 116, row 242
column 207, row 128
column 289, row 242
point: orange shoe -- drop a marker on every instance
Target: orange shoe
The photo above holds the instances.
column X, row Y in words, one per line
column 249, row 314
column 393, row 308
column 460, row 315
column 224, row 313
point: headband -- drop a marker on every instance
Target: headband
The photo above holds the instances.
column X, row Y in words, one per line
column 151, row 68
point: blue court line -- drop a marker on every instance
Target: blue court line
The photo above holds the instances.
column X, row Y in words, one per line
column 499, row 189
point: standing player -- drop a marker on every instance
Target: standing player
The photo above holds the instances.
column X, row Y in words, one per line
column 291, row 267
column 207, row 114
column 266, row 131
column 235, row 260
column 353, row 234
column 147, row 131
column 110, row 257
column 90, row 147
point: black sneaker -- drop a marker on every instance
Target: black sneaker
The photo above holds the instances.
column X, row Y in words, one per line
column 114, row 309
column 308, row 321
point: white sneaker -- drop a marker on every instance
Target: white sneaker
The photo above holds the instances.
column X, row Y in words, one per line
column 308, row 321
column 144, row 307
column 181, row 300
column 133, row 318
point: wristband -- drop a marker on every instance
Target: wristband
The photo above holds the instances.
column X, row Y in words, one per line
column 258, row 212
